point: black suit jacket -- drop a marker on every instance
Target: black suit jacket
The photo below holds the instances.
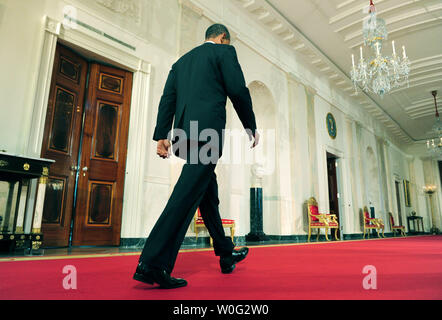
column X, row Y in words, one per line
column 197, row 89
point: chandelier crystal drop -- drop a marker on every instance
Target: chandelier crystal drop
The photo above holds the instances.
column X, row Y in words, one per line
column 434, row 146
column 377, row 73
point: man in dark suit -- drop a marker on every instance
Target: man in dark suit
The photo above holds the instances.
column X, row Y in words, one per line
column 195, row 96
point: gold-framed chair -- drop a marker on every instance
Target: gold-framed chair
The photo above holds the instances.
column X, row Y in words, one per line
column 199, row 224
column 395, row 228
column 372, row 223
column 318, row 220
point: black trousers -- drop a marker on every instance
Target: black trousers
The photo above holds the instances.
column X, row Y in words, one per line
column 196, row 186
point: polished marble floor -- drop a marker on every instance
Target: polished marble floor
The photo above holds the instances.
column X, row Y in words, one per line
column 74, row 251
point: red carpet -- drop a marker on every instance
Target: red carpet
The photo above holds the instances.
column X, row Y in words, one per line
column 407, row 268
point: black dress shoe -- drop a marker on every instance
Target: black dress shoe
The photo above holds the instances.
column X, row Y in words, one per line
column 161, row 277
column 228, row 263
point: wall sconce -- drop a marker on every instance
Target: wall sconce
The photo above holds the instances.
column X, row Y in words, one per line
column 430, row 189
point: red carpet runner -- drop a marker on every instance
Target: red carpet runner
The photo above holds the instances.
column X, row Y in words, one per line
column 406, row 268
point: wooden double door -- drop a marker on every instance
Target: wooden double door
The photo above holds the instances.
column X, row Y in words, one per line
column 86, row 133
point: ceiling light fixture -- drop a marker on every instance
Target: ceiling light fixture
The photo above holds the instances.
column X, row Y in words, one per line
column 434, row 146
column 379, row 74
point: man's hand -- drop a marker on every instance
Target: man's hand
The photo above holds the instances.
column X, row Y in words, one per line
column 256, row 139
column 163, row 148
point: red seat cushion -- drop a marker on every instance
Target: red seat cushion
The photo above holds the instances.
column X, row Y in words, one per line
column 321, row 224
column 314, row 211
column 368, row 220
column 373, row 225
column 224, row 221
column 398, row 227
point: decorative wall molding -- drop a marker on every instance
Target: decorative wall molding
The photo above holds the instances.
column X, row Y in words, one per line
column 96, row 43
column 52, row 26
column 189, row 5
column 128, row 8
column 294, row 78
column 144, row 67
column 52, row 29
column 310, row 90
column 188, row 26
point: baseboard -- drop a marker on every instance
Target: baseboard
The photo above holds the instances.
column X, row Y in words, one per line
column 290, row 238
column 188, row 242
column 137, row 243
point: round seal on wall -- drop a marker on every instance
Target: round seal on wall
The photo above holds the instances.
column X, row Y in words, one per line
column 331, row 126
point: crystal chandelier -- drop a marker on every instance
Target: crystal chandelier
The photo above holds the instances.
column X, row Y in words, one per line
column 434, row 146
column 379, row 74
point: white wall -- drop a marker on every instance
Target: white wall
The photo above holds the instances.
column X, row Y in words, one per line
column 21, row 37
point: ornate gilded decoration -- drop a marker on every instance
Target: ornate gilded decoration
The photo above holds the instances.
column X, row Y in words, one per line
column 36, row 245
column 372, row 223
column 45, row 171
column 320, row 220
column 3, row 163
column 199, row 223
column 43, row 180
column 26, row 167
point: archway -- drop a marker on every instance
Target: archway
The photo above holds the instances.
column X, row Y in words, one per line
column 263, row 165
column 372, row 183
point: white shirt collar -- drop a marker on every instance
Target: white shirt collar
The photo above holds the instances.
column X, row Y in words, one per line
column 210, row 42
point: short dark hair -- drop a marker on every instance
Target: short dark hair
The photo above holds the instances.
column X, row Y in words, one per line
column 217, row 29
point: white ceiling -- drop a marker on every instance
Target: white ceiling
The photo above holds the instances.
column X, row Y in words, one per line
column 330, row 31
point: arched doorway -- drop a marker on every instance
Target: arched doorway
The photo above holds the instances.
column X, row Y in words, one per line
column 372, row 183
column 262, row 168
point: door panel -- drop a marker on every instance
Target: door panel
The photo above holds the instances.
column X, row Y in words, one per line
column 106, row 131
column 103, row 157
column 61, row 143
column 100, row 203
column 54, row 198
